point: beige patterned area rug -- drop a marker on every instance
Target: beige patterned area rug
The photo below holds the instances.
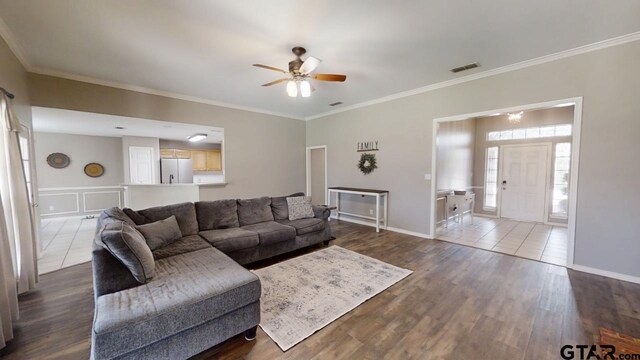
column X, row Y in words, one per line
column 302, row 295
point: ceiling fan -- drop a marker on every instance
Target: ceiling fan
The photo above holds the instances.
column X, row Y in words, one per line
column 299, row 74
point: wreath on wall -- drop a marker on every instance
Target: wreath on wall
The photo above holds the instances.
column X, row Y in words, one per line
column 367, row 163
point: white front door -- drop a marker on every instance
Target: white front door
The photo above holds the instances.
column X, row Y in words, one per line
column 524, row 181
column 141, row 165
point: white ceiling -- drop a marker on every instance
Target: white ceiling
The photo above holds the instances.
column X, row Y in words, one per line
column 84, row 123
column 205, row 49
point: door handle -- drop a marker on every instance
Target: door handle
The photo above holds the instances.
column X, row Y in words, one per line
column 504, row 184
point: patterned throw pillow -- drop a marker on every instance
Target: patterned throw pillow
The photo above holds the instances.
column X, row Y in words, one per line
column 300, row 207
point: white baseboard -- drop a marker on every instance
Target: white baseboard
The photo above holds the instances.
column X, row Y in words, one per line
column 390, row 228
column 605, row 273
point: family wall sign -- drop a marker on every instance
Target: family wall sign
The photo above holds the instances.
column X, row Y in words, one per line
column 367, row 146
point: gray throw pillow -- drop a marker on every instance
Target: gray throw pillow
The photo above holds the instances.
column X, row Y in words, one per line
column 161, row 233
column 130, row 248
column 300, row 207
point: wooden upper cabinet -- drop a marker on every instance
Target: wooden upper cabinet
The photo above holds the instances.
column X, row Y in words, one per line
column 214, row 160
column 199, row 158
column 202, row 160
column 183, row 154
column 167, row 153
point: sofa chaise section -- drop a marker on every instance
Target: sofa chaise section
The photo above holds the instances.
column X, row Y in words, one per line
column 188, row 291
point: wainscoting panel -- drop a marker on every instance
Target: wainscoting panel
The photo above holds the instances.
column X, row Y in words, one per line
column 78, row 201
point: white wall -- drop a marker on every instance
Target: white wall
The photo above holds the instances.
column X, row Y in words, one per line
column 608, row 193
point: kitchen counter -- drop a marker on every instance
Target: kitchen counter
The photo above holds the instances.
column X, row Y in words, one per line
column 142, row 196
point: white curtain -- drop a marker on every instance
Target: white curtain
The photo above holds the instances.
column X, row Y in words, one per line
column 18, row 262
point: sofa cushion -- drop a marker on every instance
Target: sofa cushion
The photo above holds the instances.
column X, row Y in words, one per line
column 271, row 232
column 305, row 226
column 280, row 208
column 300, row 207
column 188, row 290
column 220, row 214
column 130, row 248
column 185, row 215
column 184, row 245
column 160, row 233
column 232, row 239
column 253, row 211
column 114, row 214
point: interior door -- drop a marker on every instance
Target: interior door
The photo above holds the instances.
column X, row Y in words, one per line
column 524, row 182
column 316, row 175
column 141, row 167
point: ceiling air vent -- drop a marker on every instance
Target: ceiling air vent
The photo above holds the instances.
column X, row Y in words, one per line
column 336, row 103
column 465, row 67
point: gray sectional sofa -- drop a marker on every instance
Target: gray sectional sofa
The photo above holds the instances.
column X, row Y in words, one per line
column 200, row 295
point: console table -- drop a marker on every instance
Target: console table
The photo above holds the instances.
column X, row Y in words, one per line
column 378, row 194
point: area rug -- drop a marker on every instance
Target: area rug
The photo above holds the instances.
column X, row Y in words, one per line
column 302, row 295
column 624, row 344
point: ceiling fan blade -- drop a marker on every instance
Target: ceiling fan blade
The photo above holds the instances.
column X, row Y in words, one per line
column 275, row 82
column 309, row 65
column 330, row 77
column 271, row 68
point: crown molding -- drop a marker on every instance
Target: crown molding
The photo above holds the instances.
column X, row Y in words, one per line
column 14, row 45
column 19, row 52
column 517, row 66
column 145, row 90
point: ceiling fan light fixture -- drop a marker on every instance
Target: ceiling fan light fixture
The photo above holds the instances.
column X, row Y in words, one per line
column 292, row 88
column 305, row 88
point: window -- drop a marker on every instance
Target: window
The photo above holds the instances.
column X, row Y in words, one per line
column 24, row 152
column 560, row 196
column 491, row 179
column 530, row 133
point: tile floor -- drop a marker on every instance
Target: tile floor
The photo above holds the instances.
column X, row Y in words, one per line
column 535, row 241
column 65, row 242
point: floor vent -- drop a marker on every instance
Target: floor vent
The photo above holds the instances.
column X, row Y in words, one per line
column 465, row 67
column 336, row 103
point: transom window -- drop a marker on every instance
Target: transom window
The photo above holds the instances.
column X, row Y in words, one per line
column 530, row 133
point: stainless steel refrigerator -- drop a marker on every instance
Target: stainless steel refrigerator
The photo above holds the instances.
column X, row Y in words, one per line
column 176, row 171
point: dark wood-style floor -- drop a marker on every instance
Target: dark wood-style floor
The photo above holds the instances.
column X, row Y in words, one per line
column 460, row 303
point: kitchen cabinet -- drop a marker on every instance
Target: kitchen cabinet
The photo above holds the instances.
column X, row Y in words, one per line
column 199, row 158
column 214, row 160
column 202, row 160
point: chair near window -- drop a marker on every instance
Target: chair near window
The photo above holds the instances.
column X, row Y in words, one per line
column 459, row 200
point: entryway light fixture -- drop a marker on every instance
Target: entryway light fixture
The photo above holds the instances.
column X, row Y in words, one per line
column 197, row 137
column 514, row 118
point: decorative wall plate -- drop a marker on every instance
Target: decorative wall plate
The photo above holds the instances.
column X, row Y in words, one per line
column 58, row 160
column 94, row 169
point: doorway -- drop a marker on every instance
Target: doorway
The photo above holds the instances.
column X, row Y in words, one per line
column 509, row 224
column 525, row 173
column 317, row 174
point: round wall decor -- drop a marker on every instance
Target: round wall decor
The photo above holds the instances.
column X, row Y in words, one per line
column 58, row 160
column 367, row 163
column 94, row 169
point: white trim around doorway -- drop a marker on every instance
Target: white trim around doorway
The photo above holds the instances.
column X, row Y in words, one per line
column 308, row 171
column 575, row 160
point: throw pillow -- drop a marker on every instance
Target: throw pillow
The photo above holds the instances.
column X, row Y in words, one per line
column 280, row 208
column 130, row 248
column 161, row 233
column 300, row 207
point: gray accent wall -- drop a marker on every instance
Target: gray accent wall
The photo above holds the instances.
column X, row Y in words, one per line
column 81, row 149
column 607, row 221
